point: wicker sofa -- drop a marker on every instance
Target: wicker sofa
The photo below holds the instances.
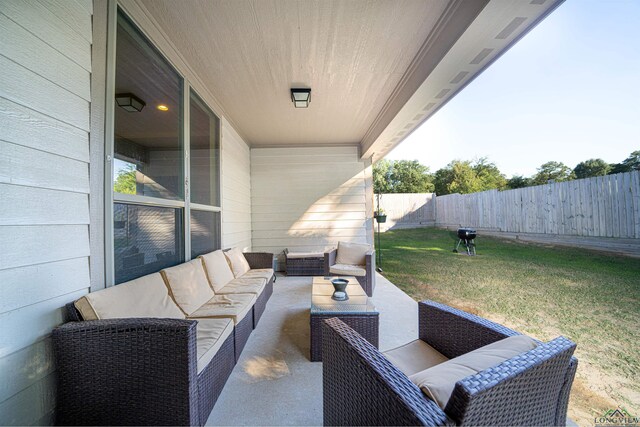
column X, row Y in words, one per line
column 147, row 357
column 363, row 387
column 353, row 259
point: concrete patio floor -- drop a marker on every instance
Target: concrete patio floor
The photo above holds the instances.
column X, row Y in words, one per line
column 274, row 383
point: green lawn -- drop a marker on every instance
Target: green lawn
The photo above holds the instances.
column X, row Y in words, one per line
column 542, row 291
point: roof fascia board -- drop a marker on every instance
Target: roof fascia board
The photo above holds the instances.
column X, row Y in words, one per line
column 453, row 23
column 429, row 97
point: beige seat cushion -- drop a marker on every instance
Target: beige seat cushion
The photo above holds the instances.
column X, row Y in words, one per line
column 347, row 270
column 414, row 357
column 146, row 296
column 244, row 285
column 298, row 255
column 262, row 273
column 352, row 253
column 217, row 268
column 232, row 306
column 210, row 335
column 188, row 285
column 438, row 382
column 238, row 262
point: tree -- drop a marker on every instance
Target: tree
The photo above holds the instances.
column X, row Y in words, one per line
column 518, row 181
column 125, row 182
column 590, row 168
column 553, row 171
column 409, row 176
column 629, row 164
column 381, row 177
column 489, row 175
column 401, row 176
column 633, row 161
column 465, row 177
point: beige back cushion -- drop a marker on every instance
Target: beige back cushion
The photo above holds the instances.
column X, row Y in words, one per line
column 238, row 262
column 188, row 285
column 217, row 268
column 146, row 296
column 352, row 253
column 438, row 382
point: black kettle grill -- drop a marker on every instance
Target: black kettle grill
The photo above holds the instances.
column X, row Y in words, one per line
column 466, row 236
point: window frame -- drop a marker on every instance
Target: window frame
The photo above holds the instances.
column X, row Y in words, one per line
column 110, row 196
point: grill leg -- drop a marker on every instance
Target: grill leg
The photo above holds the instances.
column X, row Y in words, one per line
column 457, row 246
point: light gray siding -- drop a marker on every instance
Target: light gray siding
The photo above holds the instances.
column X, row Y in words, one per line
column 236, row 190
column 309, row 198
column 45, row 57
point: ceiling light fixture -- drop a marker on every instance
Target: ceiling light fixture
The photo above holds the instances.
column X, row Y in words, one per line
column 130, row 102
column 162, row 107
column 301, row 97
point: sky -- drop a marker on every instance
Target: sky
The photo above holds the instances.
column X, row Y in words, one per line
column 568, row 91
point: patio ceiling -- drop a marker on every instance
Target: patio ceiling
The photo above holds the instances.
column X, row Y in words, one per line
column 367, row 62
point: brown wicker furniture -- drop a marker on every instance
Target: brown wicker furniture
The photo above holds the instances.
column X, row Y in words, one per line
column 304, row 264
column 365, row 273
column 358, row 312
column 144, row 371
column 261, row 264
column 362, row 387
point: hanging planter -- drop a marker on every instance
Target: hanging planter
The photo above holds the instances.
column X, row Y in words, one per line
column 380, row 216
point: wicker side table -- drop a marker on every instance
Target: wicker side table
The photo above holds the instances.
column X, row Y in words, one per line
column 358, row 312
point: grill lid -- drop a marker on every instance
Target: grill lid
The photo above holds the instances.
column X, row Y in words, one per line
column 467, row 233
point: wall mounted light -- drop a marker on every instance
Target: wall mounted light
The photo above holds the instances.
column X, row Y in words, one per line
column 301, row 97
column 130, row 102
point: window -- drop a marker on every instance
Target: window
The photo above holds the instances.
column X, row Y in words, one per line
column 204, row 165
column 205, row 154
column 146, row 239
column 166, row 205
column 205, row 232
column 148, row 144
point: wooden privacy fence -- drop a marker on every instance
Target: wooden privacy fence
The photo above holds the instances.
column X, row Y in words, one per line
column 604, row 206
column 407, row 210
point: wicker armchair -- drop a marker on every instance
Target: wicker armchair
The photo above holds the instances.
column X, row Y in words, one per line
column 362, row 387
column 367, row 280
column 135, row 372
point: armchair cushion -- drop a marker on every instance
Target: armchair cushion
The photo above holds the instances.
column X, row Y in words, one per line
column 237, row 261
column 243, row 285
column 414, row 357
column 347, row 270
column 232, row 306
column 352, row 253
column 217, row 268
column 210, row 335
column 146, row 296
column 439, row 381
column 188, row 285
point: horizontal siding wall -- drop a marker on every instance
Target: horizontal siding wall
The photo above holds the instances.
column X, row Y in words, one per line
column 236, row 190
column 308, row 199
column 45, row 57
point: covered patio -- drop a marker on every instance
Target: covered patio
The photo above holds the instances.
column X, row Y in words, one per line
column 138, row 135
column 274, row 372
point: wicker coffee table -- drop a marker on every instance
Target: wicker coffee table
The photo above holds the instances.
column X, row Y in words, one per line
column 358, row 312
